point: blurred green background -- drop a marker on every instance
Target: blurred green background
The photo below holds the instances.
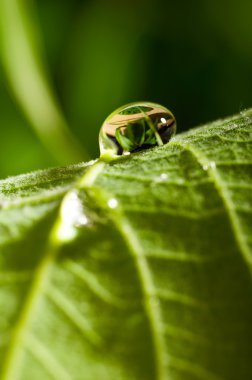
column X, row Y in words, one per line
column 193, row 57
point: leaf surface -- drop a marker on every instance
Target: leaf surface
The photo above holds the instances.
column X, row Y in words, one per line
column 143, row 275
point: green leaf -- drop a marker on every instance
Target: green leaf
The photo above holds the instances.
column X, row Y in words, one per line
column 139, row 269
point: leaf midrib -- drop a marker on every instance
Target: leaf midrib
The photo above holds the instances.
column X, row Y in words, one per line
column 41, row 277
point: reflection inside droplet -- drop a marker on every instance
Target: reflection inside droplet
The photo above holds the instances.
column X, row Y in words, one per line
column 135, row 127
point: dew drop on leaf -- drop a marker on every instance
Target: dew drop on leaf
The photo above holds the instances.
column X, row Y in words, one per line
column 72, row 217
column 163, row 176
column 112, row 203
column 209, row 165
column 135, row 127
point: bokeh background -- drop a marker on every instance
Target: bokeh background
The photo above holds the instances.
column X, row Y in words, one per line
column 195, row 57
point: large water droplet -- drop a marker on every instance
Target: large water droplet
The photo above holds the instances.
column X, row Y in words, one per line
column 135, row 127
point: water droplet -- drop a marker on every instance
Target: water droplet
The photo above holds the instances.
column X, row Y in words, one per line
column 163, row 176
column 72, row 217
column 244, row 111
column 112, row 203
column 135, row 127
column 209, row 165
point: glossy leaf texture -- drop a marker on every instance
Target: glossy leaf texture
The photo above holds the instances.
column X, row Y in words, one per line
column 153, row 281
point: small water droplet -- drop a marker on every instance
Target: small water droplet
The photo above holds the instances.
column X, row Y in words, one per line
column 136, row 126
column 163, row 176
column 72, row 217
column 244, row 111
column 209, row 165
column 112, row 203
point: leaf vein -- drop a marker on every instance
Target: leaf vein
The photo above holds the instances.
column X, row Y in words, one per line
column 46, row 358
column 226, row 200
column 77, row 319
column 91, row 281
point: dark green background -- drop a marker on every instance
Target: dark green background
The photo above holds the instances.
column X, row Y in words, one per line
column 194, row 57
